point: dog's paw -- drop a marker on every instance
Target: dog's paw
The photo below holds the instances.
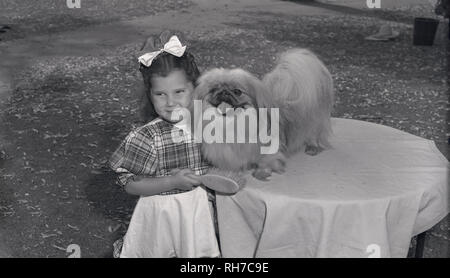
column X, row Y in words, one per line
column 262, row 174
column 278, row 165
column 313, row 150
column 269, row 164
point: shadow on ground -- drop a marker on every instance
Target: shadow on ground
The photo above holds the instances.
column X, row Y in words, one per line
column 376, row 13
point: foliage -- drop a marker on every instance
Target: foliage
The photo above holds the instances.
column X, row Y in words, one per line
column 443, row 8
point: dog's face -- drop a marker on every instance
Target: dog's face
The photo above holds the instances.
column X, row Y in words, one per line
column 230, row 93
column 230, row 89
column 228, row 97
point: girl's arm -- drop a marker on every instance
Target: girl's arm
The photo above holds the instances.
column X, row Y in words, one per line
column 148, row 186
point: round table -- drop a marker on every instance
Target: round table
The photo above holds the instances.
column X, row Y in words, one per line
column 366, row 197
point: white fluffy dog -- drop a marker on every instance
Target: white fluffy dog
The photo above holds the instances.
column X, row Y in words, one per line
column 299, row 85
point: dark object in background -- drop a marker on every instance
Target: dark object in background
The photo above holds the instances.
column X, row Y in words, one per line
column 424, row 30
column 3, row 28
column 443, row 8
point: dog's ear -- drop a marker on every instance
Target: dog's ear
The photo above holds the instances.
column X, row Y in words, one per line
column 258, row 91
column 264, row 97
column 201, row 88
column 206, row 81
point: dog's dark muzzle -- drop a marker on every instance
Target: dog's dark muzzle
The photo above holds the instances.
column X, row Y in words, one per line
column 227, row 95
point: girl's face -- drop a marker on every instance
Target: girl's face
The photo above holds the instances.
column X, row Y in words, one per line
column 170, row 93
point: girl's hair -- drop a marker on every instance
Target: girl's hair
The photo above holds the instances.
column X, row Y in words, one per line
column 162, row 66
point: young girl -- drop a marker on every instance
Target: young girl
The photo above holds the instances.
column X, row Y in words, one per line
column 172, row 217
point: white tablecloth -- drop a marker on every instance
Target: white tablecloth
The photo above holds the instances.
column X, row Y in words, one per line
column 376, row 188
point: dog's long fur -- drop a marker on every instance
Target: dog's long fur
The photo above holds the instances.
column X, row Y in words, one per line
column 299, row 85
column 302, row 88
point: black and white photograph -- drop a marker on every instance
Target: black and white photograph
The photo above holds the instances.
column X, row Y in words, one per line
column 224, row 129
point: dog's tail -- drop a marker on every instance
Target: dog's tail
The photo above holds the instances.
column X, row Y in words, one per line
column 303, row 90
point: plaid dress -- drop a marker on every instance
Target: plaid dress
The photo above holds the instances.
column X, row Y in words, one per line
column 154, row 150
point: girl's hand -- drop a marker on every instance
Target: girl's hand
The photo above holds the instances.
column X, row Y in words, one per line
column 185, row 178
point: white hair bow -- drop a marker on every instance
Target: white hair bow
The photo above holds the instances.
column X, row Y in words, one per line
column 173, row 46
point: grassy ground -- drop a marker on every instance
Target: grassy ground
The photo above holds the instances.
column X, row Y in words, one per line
column 67, row 114
column 27, row 17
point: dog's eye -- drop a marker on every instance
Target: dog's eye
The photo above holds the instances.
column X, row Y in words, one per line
column 214, row 90
column 237, row 92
